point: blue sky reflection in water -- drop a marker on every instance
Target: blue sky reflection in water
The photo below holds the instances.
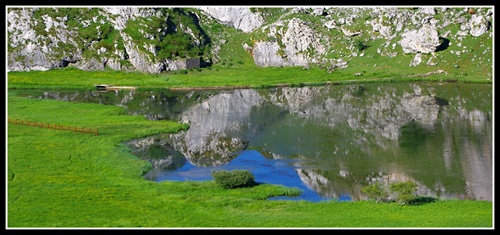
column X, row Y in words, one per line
column 267, row 171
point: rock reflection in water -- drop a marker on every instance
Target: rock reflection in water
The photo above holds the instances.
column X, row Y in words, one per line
column 344, row 138
column 337, row 139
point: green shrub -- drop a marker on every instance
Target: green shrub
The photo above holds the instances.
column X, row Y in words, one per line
column 360, row 45
column 405, row 191
column 234, row 179
column 376, row 191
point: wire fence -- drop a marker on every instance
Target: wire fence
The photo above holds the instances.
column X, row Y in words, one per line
column 54, row 126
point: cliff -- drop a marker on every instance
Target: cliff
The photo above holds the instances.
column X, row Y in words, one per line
column 153, row 40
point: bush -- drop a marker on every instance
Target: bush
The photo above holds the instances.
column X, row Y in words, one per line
column 234, row 179
column 376, row 191
column 405, row 191
column 360, row 45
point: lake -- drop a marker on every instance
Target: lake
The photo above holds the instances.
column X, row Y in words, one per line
column 329, row 141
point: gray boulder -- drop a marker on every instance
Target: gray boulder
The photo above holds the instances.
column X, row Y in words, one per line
column 424, row 40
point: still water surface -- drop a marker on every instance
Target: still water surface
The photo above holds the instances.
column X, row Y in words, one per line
column 328, row 141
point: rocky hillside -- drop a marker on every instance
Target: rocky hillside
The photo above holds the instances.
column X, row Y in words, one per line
column 154, row 40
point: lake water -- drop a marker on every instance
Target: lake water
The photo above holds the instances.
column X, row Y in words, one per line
column 328, row 141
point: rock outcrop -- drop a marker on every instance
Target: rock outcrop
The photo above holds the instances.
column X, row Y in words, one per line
column 423, row 40
column 153, row 40
column 238, row 17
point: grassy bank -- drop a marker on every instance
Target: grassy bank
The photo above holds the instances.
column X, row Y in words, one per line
column 65, row 179
column 217, row 77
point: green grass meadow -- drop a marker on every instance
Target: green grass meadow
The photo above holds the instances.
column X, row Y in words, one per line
column 221, row 77
column 66, row 179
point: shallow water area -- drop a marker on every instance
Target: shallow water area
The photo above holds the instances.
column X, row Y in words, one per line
column 280, row 172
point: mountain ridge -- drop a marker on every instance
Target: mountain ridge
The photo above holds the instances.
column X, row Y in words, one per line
column 159, row 39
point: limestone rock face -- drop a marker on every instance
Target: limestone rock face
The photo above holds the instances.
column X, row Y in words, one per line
column 266, row 54
column 105, row 40
column 478, row 25
column 153, row 40
column 299, row 40
column 238, row 17
column 35, row 52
